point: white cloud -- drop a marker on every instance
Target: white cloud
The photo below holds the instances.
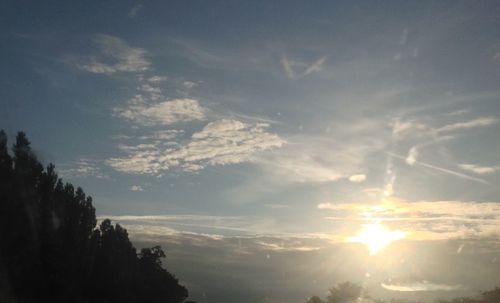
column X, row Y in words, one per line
column 287, row 66
column 458, row 112
column 281, row 247
column 357, row 178
column 399, row 127
column 304, row 68
column 221, row 142
column 162, row 113
column 475, row 123
column 440, row 169
column 157, row 79
column 315, row 67
column 114, row 55
column 136, row 188
column 134, row 10
column 189, row 84
column 480, row 170
column 82, row 168
column 149, row 89
column 423, row 285
column 412, row 156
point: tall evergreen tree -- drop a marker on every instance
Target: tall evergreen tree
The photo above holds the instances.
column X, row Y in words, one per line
column 51, row 250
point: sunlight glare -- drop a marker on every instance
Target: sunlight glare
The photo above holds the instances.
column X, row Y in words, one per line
column 376, row 237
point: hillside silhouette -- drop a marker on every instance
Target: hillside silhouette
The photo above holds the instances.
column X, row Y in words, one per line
column 51, row 249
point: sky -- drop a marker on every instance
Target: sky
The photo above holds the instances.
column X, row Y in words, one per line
column 264, row 143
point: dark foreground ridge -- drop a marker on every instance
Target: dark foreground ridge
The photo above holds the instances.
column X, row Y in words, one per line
column 52, row 251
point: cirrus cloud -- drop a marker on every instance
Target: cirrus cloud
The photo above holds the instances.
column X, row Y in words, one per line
column 114, row 55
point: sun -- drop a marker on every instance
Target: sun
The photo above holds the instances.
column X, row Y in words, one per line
column 376, row 237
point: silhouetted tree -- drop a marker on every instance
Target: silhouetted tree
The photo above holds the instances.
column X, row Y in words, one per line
column 315, row 299
column 344, row 293
column 348, row 292
column 51, row 250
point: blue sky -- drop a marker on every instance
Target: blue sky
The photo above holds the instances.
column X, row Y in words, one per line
column 222, row 120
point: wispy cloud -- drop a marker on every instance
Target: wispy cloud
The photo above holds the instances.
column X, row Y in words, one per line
column 134, row 10
column 437, row 168
column 458, row 112
column 315, row 67
column 403, row 127
column 82, row 168
column 315, row 158
column 304, row 69
column 424, row 220
column 475, row 123
column 162, row 113
column 189, row 84
column 480, row 170
column 114, row 55
column 221, row 142
column 419, row 285
column 287, row 66
column 357, row 178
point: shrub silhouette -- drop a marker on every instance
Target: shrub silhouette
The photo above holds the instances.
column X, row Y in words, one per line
column 51, row 250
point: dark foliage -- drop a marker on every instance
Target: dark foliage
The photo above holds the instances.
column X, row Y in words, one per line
column 51, row 250
column 350, row 293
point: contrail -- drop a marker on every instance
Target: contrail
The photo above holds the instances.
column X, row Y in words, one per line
column 444, row 170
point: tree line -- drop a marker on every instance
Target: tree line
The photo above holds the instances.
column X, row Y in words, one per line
column 51, row 249
column 348, row 292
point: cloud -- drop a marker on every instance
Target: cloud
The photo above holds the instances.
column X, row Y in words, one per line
column 315, row 67
column 437, row 168
column 81, row 168
column 221, row 142
column 134, row 10
column 149, row 89
column 304, row 68
column 161, row 113
column 287, row 66
column 223, row 226
column 281, row 247
column 458, row 112
column 419, row 285
column 189, row 84
column 114, row 55
column 157, row 79
column 480, row 170
column 404, row 37
column 136, row 188
column 399, row 127
column 315, row 158
column 424, row 220
column 357, row 178
column 412, row 156
column 475, row 123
